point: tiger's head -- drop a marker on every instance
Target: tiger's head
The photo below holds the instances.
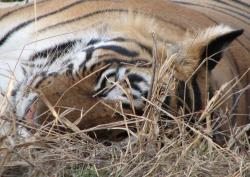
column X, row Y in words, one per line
column 95, row 78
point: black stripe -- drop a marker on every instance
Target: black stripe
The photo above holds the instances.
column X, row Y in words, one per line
column 43, row 73
column 97, row 64
column 145, row 94
column 93, row 41
column 205, row 15
column 65, row 62
column 24, row 71
column 242, row 3
column 54, row 74
column 6, row 36
column 40, row 82
column 107, row 11
column 20, row 8
column 89, row 53
column 210, row 92
column 197, row 94
column 216, row 45
column 44, row 77
column 223, row 12
column 134, row 79
column 107, row 90
column 115, row 61
column 69, row 71
column 166, row 102
column 57, row 50
column 84, row 16
column 115, row 48
column 226, row 6
column 121, row 39
column 183, row 95
column 14, row 92
column 142, row 46
column 180, row 94
column 32, row 65
column 29, row 106
column 18, row 27
column 146, row 48
column 135, row 62
column 128, row 106
column 230, row 5
column 213, row 20
column 121, row 50
column 135, row 87
column 105, row 79
column 54, row 52
column 100, row 74
column 103, row 91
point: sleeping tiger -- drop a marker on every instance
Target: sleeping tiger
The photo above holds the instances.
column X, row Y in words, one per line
column 97, row 55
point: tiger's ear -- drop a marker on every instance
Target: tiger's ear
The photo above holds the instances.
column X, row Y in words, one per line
column 210, row 44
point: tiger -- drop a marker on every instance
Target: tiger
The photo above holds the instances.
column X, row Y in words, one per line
column 95, row 56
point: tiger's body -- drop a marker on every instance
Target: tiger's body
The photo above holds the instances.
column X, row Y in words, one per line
column 99, row 43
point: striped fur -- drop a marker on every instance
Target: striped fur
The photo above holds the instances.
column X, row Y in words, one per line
column 104, row 49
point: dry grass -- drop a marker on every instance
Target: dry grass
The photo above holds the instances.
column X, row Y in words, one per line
column 162, row 152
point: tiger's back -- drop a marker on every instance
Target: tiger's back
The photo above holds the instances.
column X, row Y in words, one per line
column 44, row 34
